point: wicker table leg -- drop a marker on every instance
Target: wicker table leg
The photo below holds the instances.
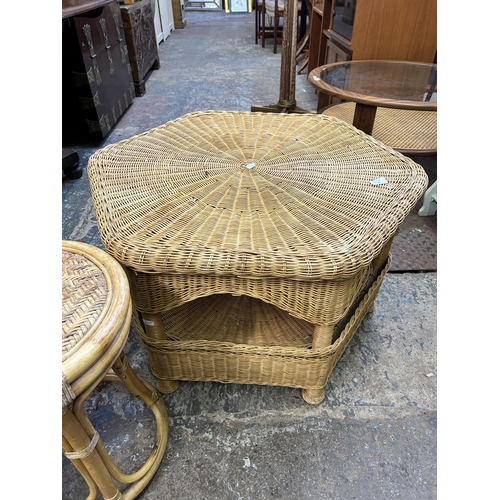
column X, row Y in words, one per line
column 377, row 265
column 153, row 324
column 322, row 337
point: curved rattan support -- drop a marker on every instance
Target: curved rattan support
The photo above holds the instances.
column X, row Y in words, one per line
column 82, row 470
column 408, row 131
column 76, row 438
column 96, row 315
column 138, row 387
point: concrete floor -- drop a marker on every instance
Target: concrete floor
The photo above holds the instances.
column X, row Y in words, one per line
column 374, row 435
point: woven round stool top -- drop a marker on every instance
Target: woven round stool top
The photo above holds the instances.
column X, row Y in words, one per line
column 251, row 194
column 409, row 131
column 95, row 315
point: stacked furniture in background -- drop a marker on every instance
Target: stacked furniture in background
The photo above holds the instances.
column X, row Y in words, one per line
column 138, row 24
column 97, row 82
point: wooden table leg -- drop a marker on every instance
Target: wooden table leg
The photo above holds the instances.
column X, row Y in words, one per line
column 364, row 117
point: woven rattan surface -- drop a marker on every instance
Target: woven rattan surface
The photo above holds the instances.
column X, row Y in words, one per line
column 84, row 292
column 407, row 130
column 243, row 340
column 320, row 302
column 96, row 314
column 251, row 194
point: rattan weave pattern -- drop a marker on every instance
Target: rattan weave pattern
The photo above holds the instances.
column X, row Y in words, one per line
column 406, row 130
column 84, row 293
column 281, row 356
column 251, row 194
column 320, row 302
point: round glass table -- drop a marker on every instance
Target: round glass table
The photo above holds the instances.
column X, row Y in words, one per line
column 372, row 84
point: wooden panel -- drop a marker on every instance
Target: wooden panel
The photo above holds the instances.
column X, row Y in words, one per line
column 334, row 54
column 97, row 77
column 402, row 30
column 179, row 15
column 138, row 24
column 320, row 21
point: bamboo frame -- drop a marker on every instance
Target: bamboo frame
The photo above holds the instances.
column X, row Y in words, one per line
column 96, row 322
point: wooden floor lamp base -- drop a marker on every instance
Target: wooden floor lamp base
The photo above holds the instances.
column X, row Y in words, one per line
column 277, row 108
column 286, row 102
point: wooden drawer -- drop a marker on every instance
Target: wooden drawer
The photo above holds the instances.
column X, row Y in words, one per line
column 98, row 29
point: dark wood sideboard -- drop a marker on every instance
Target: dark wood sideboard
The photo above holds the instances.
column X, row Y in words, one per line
column 139, row 26
column 97, row 82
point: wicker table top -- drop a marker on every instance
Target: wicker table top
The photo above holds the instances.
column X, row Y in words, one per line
column 302, row 196
column 95, row 314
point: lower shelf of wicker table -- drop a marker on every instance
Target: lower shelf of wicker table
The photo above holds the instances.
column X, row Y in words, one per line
column 228, row 339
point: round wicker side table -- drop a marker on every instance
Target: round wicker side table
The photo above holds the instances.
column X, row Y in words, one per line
column 409, row 131
column 96, row 316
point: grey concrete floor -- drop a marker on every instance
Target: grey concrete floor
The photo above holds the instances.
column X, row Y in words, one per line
column 373, row 437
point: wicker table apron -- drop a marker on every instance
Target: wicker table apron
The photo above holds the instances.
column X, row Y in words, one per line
column 96, row 316
column 254, row 243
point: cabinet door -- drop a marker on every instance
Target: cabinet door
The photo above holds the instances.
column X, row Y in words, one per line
column 164, row 20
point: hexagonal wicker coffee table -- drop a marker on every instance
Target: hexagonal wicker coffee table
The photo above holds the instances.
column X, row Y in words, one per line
column 254, row 243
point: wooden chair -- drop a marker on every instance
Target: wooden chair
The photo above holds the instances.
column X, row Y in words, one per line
column 302, row 53
column 275, row 9
column 261, row 30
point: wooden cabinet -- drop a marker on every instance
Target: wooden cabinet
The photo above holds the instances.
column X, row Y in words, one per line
column 97, row 84
column 139, row 27
column 333, row 53
column 372, row 29
column 164, row 19
column 179, row 14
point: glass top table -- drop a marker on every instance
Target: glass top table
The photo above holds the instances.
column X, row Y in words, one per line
column 370, row 84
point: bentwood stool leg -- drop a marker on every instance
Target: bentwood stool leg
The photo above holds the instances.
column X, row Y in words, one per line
column 105, row 470
column 153, row 324
column 82, row 448
column 83, row 471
